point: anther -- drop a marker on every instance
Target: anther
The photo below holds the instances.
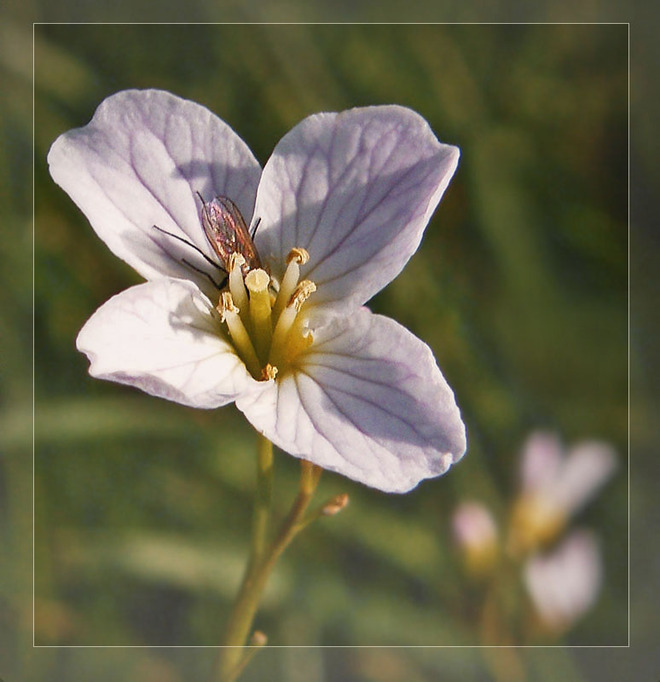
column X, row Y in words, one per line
column 294, row 260
column 236, row 260
column 301, row 256
column 302, row 292
column 226, row 306
column 268, row 372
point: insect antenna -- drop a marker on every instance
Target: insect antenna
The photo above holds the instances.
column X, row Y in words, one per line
column 199, row 251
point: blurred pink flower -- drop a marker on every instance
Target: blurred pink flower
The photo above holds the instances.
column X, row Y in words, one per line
column 564, row 583
column 475, row 533
column 555, row 485
column 565, row 480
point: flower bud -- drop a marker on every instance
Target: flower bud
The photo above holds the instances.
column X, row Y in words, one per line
column 475, row 534
column 335, row 505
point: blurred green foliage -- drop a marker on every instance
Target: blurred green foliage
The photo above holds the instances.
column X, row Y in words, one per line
column 142, row 508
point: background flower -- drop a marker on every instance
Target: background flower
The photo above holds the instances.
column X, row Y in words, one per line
column 564, row 583
column 476, row 535
column 555, row 485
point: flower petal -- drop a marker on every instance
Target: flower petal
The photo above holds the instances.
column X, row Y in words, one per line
column 588, row 466
column 139, row 162
column 356, row 189
column 565, row 584
column 165, row 338
column 542, row 459
column 367, row 401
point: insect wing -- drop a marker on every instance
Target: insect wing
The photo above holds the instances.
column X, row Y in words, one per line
column 227, row 232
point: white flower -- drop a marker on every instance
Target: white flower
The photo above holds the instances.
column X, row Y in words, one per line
column 565, row 583
column 555, row 485
column 339, row 209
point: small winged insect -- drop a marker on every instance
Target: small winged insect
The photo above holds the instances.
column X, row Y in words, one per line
column 227, row 233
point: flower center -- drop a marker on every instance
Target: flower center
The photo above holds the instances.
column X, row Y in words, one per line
column 535, row 521
column 264, row 322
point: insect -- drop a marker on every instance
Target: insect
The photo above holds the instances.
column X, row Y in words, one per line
column 227, row 233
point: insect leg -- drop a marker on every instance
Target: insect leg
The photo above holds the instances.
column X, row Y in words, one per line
column 254, row 229
column 185, row 241
column 206, row 274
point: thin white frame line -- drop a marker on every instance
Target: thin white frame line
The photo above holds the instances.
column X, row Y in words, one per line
column 330, row 646
column 331, row 23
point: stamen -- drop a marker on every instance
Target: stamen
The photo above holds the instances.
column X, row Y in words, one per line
column 226, row 306
column 303, row 291
column 299, row 342
column 300, row 255
column 295, row 259
column 230, row 314
column 236, row 285
column 262, row 316
column 257, row 282
column 268, row 372
column 287, row 318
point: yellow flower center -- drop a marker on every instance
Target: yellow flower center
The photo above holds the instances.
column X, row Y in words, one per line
column 535, row 522
column 264, row 320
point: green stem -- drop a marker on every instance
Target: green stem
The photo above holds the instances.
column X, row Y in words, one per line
column 499, row 653
column 262, row 501
column 262, row 561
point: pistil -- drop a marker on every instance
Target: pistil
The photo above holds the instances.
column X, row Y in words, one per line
column 257, row 282
column 266, row 328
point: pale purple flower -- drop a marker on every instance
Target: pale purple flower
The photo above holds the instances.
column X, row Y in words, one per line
column 564, row 584
column 349, row 390
column 566, row 480
column 556, row 484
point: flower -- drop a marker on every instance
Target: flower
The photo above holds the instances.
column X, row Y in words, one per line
column 556, row 485
column 338, row 210
column 476, row 535
column 565, row 583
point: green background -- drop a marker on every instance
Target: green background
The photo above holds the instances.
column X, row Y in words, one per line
column 142, row 508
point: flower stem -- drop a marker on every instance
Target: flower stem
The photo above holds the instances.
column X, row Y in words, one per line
column 499, row 654
column 262, row 558
column 263, row 498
